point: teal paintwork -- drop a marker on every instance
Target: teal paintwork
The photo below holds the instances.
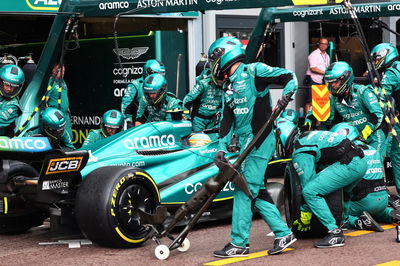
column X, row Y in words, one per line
column 159, row 148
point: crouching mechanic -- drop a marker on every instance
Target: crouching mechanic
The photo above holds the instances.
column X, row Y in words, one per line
column 11, row 81
column 112, row 122
column 344, row 165
column 369, row 199
column 134, row 91
column 246, row 107
column 357, row 104
column 52, row 124
column 157, row 104
column 205, row 99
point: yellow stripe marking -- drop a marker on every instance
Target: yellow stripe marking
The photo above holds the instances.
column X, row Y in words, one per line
column 238, row 259
column 183, row 202
column 320, row 109
column 390, row 263
column 365, row 232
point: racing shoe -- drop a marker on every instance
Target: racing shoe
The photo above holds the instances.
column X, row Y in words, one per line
column 395, row 216
column 334, row 238
column 231, row 250
column 395, row 202
column 366, row 222
column 281, row 243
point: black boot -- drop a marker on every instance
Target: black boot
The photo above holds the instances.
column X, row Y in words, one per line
column 280, row 244
column 334, row 238
column 366, row 222
column 395, row 216
column 394, row 202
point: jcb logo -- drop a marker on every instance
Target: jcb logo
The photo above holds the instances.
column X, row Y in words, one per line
column 64, row 165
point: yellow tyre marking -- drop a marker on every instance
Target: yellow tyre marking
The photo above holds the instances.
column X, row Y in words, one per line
column 126, row 238
column 152, row 181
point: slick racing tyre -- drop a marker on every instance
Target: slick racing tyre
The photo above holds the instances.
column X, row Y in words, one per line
column 107, row 203
column 294, row 200
column 16, row 215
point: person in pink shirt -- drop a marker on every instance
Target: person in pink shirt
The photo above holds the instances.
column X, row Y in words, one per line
column 318, row 61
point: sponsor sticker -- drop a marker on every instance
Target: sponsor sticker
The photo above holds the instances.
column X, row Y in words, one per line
column 54, row 184
column 63, row 165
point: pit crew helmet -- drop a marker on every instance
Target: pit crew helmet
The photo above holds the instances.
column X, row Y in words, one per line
column 286, row 132
column 112, row 119
column 198, row 139
column 346, row 129
column 155, row 84
column 53, row 123
column 12, row 76
column 153, row 66
column 339, row 71
column 223, row 53
column 383, row 55
column 290, row 114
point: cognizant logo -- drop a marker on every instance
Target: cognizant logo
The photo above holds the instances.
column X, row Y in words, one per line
column 24, row 144
column 114, row 5
column 150, row 142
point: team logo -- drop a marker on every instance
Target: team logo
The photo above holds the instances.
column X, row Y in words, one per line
column 132, row 53
column 44, row 5
column 63, row 165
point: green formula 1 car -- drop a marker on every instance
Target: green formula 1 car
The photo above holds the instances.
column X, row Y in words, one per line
column 101, row 188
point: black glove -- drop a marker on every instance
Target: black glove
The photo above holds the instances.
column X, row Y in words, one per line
column 284, row 101
column 220, row 157
column 130, row 124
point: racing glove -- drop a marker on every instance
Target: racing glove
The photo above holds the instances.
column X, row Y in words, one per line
column 366, row 132
column 303, row 224
column 306, row 126
column 284, row 101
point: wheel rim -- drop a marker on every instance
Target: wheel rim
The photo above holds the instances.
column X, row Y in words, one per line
column 133, row 197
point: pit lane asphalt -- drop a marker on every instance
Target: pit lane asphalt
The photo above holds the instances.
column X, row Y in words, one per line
column 368, row 248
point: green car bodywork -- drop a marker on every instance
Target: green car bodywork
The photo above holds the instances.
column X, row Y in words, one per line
column 160, row 149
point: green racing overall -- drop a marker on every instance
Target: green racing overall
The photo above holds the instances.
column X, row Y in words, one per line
column 246, row 107
column 345, row 165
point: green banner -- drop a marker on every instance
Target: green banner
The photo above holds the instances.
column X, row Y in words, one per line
column 114, row 7
column 385, row 9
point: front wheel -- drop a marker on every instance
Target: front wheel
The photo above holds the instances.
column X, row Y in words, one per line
column 107, row 204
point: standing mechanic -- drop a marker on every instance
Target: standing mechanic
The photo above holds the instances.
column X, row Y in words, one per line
column 134, row 91
column 205, row 99
column 57, row 96
column 246, row 107
column 385, row 56
column 157, row 104
column 11, row 81
column 356, row 104
column 112, row 122
column 344, row 165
